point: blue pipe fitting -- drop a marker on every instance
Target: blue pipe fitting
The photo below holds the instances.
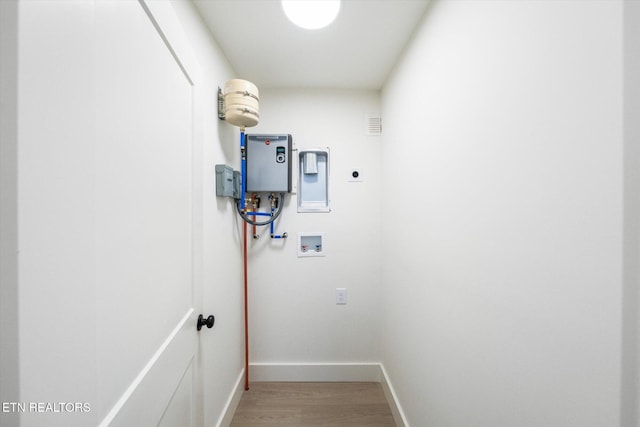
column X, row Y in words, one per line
column 243, row 168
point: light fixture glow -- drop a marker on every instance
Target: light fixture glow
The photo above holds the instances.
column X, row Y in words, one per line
column 311, row 14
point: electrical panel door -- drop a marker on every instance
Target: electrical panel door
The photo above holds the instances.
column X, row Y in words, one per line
column 269, row 163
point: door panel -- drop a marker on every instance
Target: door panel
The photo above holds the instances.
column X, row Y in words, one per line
column 162, row 388
column 145, row 322
column 180, row 411
column 162, row 391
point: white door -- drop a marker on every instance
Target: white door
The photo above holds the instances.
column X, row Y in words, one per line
column 107, row 236
column 144, row 219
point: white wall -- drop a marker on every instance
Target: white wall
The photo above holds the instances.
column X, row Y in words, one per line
column 293, row 315
column 503, row 251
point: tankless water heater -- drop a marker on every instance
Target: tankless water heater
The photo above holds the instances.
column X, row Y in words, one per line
column 269, row 163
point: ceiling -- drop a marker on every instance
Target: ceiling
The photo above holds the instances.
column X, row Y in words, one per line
column 358, row 50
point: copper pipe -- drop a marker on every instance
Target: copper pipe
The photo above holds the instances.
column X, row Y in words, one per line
column 246, row 311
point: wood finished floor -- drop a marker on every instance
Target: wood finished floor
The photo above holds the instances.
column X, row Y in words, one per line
column 313, row 404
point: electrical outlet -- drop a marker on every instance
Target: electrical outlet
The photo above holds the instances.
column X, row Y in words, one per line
column 341, row 296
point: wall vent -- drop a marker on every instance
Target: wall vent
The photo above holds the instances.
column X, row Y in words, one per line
column 373, row 125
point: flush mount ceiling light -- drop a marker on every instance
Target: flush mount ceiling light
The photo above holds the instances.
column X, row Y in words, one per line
column 311, row 14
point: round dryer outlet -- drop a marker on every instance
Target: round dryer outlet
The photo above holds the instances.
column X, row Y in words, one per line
column 355, row 175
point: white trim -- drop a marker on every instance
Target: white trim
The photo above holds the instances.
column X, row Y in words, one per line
column 164, row 20
column 389, row 392
column 332, row 372
column 298, row 372
column 232, row 402
column 126, row 396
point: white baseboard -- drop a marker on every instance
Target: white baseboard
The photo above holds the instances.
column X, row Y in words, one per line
column 296, row 372
column 392, row 399
column 232, row 402
column 348, row 372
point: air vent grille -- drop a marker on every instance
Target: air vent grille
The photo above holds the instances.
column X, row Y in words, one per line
column 373, row 125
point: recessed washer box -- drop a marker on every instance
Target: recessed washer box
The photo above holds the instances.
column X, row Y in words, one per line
column 310, row 244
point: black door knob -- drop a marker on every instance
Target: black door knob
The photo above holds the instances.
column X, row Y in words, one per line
column 209, row 321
